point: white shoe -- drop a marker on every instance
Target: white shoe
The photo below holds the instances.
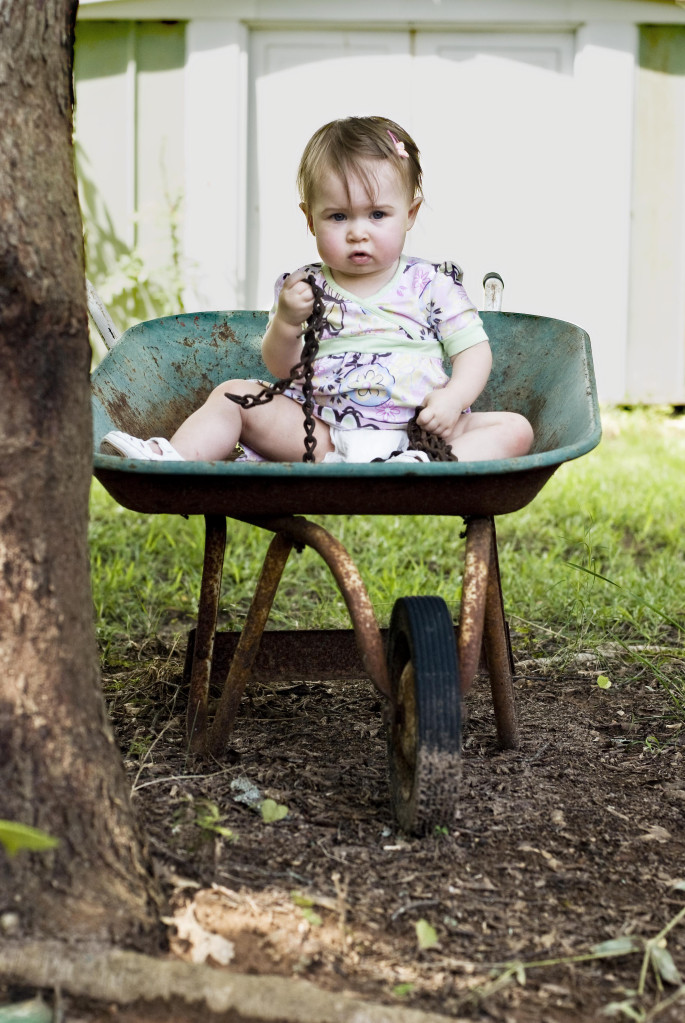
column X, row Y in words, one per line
column 134, row 447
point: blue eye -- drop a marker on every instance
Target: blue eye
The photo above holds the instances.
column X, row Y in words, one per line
column 377, row 215
column 338, row 217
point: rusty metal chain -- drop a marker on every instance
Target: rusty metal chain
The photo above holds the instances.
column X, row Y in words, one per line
column 432, row 445
column 304, row 368
column 419, row 439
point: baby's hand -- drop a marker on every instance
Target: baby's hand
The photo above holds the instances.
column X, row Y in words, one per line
column 439, row 415
column 296, row 300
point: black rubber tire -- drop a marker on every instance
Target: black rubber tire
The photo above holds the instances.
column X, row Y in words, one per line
column 424, row 735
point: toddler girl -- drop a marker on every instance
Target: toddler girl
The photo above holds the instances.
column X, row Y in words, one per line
column 389, row 321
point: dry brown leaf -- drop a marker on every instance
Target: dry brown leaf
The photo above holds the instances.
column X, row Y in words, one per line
column 655, row 833
column 203, row 945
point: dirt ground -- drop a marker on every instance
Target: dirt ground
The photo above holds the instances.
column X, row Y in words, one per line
column 573, row 840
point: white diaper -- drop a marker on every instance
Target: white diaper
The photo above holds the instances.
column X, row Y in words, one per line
column 365, row 445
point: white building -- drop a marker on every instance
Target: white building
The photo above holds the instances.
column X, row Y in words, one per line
column 552, row 134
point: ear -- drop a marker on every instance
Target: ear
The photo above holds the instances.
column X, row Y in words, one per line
column 310, row 221
column 413, row 210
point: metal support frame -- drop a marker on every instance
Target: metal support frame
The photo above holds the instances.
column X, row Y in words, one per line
column 482, row 627
column 290, row 531
column 210, row 591
column 243, row 659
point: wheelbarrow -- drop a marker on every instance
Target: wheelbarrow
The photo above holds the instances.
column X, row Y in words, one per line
column 159, row 371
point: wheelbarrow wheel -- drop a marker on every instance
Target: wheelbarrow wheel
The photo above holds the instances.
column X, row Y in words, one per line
column 424, row 735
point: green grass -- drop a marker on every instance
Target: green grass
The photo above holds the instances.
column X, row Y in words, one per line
column 616, row 513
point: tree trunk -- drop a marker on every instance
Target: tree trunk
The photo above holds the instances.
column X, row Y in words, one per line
column 59, row 767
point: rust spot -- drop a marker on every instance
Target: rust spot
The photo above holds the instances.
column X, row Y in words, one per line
column 222, row 334
column 188, row 341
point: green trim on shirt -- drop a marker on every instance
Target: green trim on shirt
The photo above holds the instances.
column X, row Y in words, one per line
column 380, row 344
column 465, row 338
column 371, row 299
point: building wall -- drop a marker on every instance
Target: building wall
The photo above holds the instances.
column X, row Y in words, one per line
column 656, row 340
column 130, row 139
column 524, row 112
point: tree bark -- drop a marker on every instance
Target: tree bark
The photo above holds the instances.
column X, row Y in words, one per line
column 59, row 766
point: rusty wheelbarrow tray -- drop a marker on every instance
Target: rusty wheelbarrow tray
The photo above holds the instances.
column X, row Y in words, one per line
column 160, row 370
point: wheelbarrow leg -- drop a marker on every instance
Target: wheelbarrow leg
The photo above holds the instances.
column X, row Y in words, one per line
column 351, row 586
column 498, row 656
column 291, row 531
column 479, row 537
column 210, row 591
column 482, row 626
column 248, row 644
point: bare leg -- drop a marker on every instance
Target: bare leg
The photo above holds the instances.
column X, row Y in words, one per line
column 482, row 436
column 275, row 430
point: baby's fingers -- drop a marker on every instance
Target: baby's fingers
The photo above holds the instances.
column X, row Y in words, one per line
column 425, row 417
column 293, row 279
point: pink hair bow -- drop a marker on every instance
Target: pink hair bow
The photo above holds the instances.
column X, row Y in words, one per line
column 399, row 146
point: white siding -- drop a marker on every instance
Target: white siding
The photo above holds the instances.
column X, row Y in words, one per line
column 525, row 114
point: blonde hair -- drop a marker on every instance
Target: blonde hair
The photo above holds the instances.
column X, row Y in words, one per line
column 342, row 146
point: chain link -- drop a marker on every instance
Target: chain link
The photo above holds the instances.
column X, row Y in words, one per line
column 419, row 439
column 304, row 368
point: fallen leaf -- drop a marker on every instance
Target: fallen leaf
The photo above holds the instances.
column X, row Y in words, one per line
column 617, row 946
column 663, row 964
column 625, row 1009
column 273, row 811
column 244, row 791
column 655, row 833
column 203, row 944
column 426, row 935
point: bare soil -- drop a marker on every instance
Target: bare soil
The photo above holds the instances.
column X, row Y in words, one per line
column 573, row 840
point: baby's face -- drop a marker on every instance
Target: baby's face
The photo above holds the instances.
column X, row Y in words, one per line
column 360, row 237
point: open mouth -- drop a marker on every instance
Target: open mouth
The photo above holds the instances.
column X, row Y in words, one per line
column 360, row 258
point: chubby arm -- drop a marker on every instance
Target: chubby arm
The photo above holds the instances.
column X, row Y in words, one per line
column 282, row 343
column 470, row 371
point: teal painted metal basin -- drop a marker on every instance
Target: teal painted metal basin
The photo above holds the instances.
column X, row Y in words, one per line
column 161, row 370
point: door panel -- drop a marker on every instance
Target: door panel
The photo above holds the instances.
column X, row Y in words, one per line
column 301, row 80
column 493, row 115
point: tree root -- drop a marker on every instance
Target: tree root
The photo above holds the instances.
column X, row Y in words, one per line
column 114, row 976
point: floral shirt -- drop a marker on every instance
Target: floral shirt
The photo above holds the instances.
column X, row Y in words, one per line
column 379, row 356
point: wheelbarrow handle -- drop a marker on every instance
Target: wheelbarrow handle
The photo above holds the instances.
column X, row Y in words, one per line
column 101, row 318
column 493, row 286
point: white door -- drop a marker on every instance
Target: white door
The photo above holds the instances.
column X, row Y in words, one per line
column 493, row 115
column 498, row 132
column 299, row 81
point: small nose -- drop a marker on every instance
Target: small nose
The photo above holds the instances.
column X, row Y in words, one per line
column 357, row 228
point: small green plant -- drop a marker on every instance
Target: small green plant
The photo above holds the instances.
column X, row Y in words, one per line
column 208, row 817
column 306, row 906
column 140, row 747
column 652, row 745
column 656, row 958
column 15, row 837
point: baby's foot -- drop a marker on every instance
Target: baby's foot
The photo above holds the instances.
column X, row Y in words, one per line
column 156, row 449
